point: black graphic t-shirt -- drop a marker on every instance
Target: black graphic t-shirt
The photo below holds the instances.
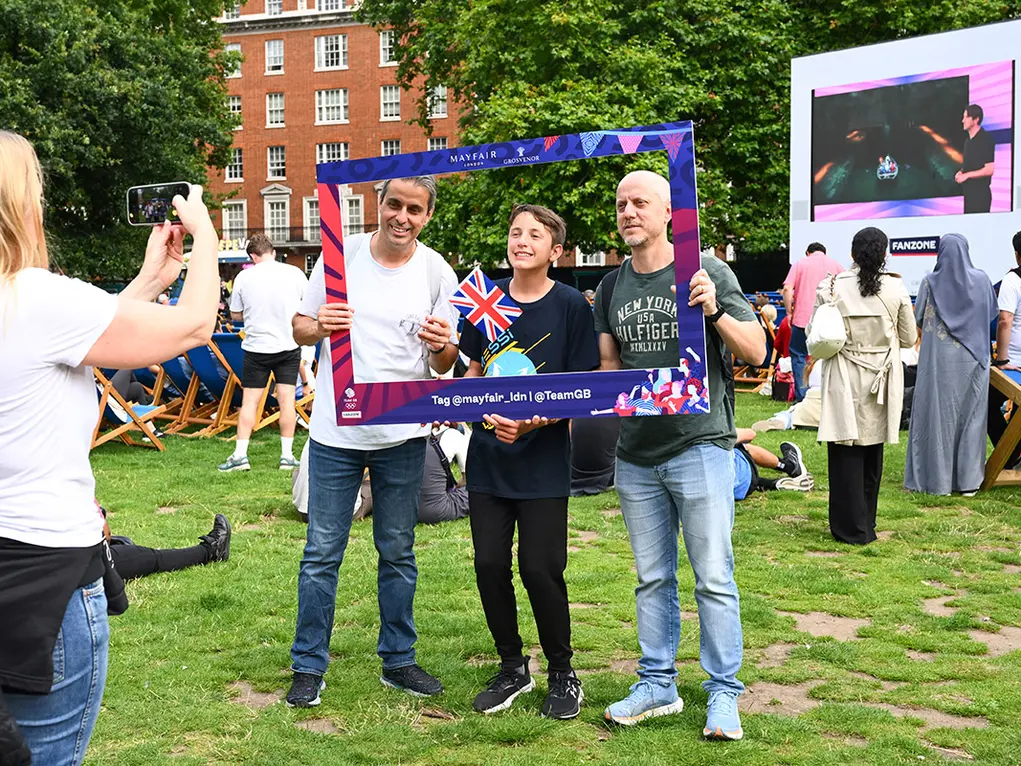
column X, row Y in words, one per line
column 553, row 334
column 978, row 152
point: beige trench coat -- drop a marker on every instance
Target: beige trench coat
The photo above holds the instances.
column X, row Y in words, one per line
column 863, row 385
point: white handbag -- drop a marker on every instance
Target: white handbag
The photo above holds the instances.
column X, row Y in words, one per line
column 827, row 333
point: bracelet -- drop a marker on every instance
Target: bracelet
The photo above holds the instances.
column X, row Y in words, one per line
column 1001, row 362
column 440, row 350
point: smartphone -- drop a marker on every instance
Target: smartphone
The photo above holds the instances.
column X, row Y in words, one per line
column 151, row 204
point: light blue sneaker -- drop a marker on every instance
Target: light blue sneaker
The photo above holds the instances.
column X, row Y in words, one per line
column 646, row 700
column 235, row 464
column 722, row 721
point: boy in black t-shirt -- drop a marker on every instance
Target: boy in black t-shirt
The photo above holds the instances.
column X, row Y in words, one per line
column 519, row 471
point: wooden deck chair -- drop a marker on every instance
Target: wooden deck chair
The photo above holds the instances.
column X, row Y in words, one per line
column 752, row 378
column 996, row 475
column 164, row 393
column 215, row 374
column 122, row 418
column 198, row 405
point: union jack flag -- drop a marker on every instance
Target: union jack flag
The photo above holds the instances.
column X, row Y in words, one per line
column 484, row 304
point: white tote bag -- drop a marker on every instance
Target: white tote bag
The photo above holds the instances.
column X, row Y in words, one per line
column 827, row 334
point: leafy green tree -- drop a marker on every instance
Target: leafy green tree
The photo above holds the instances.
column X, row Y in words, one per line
column 527, row 68
column 112, row 94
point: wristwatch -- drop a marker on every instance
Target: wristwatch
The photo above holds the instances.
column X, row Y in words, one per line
column 720, row 311
column 1001, row 362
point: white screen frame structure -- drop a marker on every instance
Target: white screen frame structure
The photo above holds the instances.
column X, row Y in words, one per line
column 989, row 234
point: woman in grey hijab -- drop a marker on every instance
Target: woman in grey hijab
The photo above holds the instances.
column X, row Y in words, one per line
column 947, row 441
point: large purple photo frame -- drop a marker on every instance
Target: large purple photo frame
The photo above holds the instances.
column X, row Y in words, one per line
column 619, row 393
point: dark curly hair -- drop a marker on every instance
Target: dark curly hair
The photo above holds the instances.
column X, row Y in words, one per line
column 868, row 249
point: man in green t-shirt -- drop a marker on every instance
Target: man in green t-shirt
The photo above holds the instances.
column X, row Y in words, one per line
column 675, row 472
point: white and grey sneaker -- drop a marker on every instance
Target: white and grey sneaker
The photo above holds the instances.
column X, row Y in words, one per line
column 235, row 464
column 288, row 463
column 803, row 483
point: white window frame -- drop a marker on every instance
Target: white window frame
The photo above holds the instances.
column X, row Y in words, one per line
column 310, row 262
column 589, row 260
column 345, row 213
column 228, row 233
column 434, row 99
column 268, row 227
column 230, row 108
column 227, row 178
column 281, row 69
column 269, row 163
column 321, row 108
column 321, row 152
column 232, row 10
column 437, row 148
column 309, row 234
column 384, row 90
column 235, row 48
column 339, row 5
column 386, row 48
column 277, row 5
column 270, row 110
column 384, row 142
column 320, row 53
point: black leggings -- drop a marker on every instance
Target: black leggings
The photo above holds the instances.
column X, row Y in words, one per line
column 542, row 559
column 134, row 561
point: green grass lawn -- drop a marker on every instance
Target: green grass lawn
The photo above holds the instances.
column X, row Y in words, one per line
column 199, row 661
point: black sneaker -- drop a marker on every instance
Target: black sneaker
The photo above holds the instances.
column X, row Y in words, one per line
column 218, row 539
column 413, row 680
column 305, row 690
column 794, row 464
column 503, row 688
column 565, row 696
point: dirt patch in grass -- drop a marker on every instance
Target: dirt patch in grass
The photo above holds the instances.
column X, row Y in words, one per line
column 822, row 624
column 886, row 685
column 625, row 666
column 847, row 739
column 166, row 509
column 318, row 725
column 950, row 753
column 1011, row 569
column 885, row 534
column 937, row 607
column 775, row 655
column 921, row 656
column 587, row 535
column 579, row 605
column 934, row 719
column 609, row 513
column 784, row 699
column 1007, row 640
column 252, row 699
column 824, row 554
column 994, row 549
column 792, row 519
column 249, row 527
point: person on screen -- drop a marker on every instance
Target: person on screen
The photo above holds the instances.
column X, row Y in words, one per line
column 401, row 321
column 519, row 471
column 676, row 472
column 976, row 173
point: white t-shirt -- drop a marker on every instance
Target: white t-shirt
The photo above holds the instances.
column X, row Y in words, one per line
column 269, row 294
column 388, row 305
column 48, row 408
column 1010, row 300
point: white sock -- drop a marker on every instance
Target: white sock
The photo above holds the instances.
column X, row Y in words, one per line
column 286, row 446
column 241, row 448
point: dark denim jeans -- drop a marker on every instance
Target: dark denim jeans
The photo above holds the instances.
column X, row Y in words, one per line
column 335, row 476
column 799, row 358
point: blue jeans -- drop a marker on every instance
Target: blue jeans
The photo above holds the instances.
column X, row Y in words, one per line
column 334, row 479
column 799, row 357
column 57, row 726
column 693, row 491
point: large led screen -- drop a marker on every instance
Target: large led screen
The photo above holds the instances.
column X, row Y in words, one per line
column 901, row 147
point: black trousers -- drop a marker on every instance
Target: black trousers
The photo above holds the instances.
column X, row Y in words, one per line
column 978, row 200
column 997, row 424
column 855, row 474
column 135, row 561
column 542, row 559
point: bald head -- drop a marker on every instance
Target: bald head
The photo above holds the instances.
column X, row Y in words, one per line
column 647, row 180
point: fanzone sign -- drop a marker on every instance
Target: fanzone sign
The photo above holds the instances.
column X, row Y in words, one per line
column 677, row 390
column 914, row 246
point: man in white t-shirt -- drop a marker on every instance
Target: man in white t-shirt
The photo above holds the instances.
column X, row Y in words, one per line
column 1008, row 346
column 401, row 321
column 266, row 296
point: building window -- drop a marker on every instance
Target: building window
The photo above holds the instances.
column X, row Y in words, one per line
column 332, row 5
column 233, row 10
column 331, row 52
column 310, row 263
column 435, row 144
column 233, row 48
column 590, row 259
column 312, row 232
column 236, row 168
column 438, row 101
column 274, row 110
column 276, row 220
column 386, row 48
column 274, row 7
column 331, row 106
column 234, row 223
column 390, row 98
column 234, row 106
column 277, row 162
column 353, row 223
column 274, row 56
column 332, row 152
column 391, row 147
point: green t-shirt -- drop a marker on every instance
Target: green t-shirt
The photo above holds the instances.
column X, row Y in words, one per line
column 643, row 319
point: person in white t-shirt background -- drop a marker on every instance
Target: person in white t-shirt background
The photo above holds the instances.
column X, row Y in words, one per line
column 52, row 331
column 266, row 296
column 1008, row 347
column 401, row 324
